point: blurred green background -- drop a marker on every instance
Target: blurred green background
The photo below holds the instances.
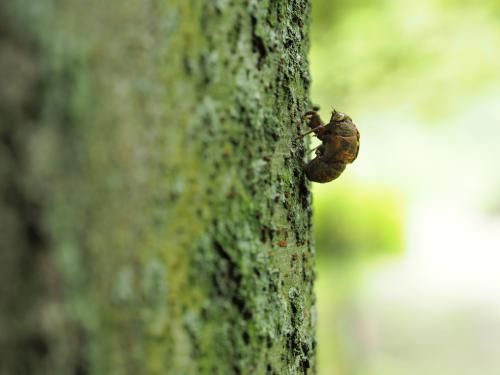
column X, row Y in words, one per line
column 408, row 238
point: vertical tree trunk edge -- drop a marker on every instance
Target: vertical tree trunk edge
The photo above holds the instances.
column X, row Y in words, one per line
column 155, row 213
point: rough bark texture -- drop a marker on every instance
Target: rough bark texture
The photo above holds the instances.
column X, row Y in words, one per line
column 154, row 214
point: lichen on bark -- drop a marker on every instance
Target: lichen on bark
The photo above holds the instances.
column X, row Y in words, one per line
column 157, row 213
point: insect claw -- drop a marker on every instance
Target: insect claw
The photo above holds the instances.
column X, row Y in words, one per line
column 310, row 113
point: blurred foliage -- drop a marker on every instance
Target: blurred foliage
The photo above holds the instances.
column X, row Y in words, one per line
column 353, row 221
column 422, row 57
column 418, row 78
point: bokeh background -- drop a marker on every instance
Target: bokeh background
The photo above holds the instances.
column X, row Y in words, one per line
column 408, row 238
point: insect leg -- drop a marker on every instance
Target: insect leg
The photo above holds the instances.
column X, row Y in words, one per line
column 310, row 131
column 315, row 148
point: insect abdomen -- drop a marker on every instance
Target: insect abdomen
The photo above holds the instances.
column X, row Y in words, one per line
column 318, row 170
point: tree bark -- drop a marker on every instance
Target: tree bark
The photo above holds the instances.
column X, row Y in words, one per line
column 154, row 211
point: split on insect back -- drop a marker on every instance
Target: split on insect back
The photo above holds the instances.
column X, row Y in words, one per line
column 339, row 145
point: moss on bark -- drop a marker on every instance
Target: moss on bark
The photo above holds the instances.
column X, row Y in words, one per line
column 155, row 212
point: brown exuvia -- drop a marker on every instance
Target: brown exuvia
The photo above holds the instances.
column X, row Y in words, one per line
column 339, row 147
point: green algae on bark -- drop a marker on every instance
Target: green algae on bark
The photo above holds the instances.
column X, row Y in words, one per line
column 156, row 210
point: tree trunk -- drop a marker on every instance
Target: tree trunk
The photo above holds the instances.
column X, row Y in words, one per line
column 154, row 212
